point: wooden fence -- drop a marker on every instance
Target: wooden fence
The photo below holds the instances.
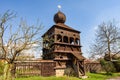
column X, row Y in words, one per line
column 45, row 68
column 93, row 67
column 34, row 68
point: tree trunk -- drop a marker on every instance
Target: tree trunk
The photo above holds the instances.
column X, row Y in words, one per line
column 8, row 72
column 109, row 50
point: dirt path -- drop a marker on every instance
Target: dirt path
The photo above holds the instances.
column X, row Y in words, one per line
column 117, row 78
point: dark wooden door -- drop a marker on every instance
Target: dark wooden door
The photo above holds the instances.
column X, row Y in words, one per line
column 47, row 69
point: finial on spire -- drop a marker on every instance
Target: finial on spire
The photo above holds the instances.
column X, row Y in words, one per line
column 59, row 7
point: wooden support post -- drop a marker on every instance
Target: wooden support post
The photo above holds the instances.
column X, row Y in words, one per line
column 78, row 69
column 84, row 68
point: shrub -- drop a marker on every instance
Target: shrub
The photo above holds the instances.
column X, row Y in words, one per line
column 1, row 68
column 108, row 66
column 116, row 62
column 117, row 65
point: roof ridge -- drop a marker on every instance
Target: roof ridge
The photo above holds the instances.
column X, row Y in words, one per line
column 66, row 26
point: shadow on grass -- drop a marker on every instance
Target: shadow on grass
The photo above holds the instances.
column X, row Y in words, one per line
column 109, row 74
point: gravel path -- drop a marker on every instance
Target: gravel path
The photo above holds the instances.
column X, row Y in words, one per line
column 117, row 78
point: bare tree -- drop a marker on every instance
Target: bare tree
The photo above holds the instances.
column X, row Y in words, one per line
column 18, row 39
column 107, row 37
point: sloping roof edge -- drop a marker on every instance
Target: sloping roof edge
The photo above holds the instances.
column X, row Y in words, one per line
column 79, row 57
column 66, row 27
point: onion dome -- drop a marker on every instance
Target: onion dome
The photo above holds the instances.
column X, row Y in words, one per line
column 59, row 17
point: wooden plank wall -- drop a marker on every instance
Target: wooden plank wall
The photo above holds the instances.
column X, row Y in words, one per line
column 35, row 68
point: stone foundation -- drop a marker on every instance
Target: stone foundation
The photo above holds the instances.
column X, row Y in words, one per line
column 60, row 72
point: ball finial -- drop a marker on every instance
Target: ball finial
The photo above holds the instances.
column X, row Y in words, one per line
column 59, row 7
column 59, row 17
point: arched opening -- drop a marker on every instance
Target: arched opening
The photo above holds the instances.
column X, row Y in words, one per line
column 61, row 57
column 65, row 39
column 71, row 40
column 46, row 44
column 77, row 41
column 59, row 38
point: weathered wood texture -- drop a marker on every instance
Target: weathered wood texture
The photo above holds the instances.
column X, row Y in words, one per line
column 93, row 67
column 35, row 68
column 61, row 43
column 47, row 68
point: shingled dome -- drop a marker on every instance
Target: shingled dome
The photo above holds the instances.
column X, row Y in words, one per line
column 59, row 17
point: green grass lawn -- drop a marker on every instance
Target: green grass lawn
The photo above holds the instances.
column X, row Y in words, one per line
column 101, row 76
column 49, row 78
column 91, row 76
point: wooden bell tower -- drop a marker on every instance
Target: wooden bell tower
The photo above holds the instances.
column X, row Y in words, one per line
column 61, row 43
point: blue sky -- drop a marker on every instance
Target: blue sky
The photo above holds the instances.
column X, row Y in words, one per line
column 82, row 15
